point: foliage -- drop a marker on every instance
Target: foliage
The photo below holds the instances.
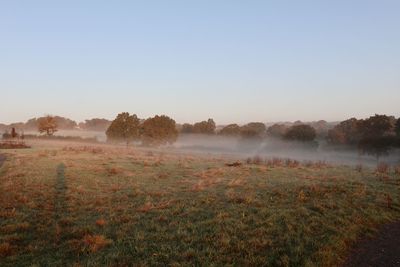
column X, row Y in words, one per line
column 301, row 132
column 277, row 130
column 187, row 128
column 95, row 124
column 377, row 138
column 397, row 129
column 47, row 125
column 376, row 126
column 204, row 127
column 124, row 127
column 253, row 130
column 230, row 130
column 345, row 133
column 159, row 130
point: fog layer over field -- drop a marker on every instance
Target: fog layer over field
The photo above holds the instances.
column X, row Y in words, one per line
column 270, row 148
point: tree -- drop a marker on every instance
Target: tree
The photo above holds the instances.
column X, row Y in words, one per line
column 257, row 127
column 47, row 125
column 6, row 135
column 277, row 130
column 301, row 132
column 230, row 130
column 95, row 124
column 347, row 132
column 159, row 130
column 377, row 135
column 376, row 126
column 187, row 128
column 376, row 146
column 398, row 127
column 124, row 127
column 14, row 133
column 65, row 123
column 204, row 127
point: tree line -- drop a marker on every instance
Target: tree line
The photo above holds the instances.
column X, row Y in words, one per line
column 376, row 135
column 63, row 123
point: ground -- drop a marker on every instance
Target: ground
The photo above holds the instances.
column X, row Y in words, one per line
column 77, row 205
column 383, row 249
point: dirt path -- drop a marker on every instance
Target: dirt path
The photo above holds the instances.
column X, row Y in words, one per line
column 382, row 250
column 2, row 159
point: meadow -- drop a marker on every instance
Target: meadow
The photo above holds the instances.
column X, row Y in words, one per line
column 65, row 204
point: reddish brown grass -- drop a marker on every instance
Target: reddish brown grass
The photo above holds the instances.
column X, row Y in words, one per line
column 382, row 168
column 6, row 249
column 100, row 222
column 94, row 243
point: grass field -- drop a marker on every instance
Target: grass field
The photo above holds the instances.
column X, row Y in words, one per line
column 76, row 205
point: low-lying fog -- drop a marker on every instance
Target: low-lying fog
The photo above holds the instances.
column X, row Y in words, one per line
column 275, row 148
column 269, row 148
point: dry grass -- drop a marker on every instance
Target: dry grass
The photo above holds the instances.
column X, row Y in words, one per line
column 382, row 168
column 107, row 206
column 94, row 243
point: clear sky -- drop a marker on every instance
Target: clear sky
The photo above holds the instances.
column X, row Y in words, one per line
column 234, row 61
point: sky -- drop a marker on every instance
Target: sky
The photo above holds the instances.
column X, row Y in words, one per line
column 234, row 61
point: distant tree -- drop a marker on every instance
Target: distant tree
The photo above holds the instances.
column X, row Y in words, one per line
column 249, row 133
column 47, row 125
column 14, row 133
column 347, row 132
column 204, row 127
column 277, row 130
column 124, row 127
column 230, row 130
column 95, row 124
column 187, row 128
column 398, row 127
column 65, row 123
column 376, row 126
column 377, row 135
column 31, row 124
column 6, row 135
column 159, row 130
column 301, row 132
column 259, row 127
column 376, row 146
column 321, row 127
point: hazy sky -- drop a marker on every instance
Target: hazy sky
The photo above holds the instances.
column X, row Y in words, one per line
column 234, row 61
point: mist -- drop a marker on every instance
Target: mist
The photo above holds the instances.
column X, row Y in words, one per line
column 270, row 148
